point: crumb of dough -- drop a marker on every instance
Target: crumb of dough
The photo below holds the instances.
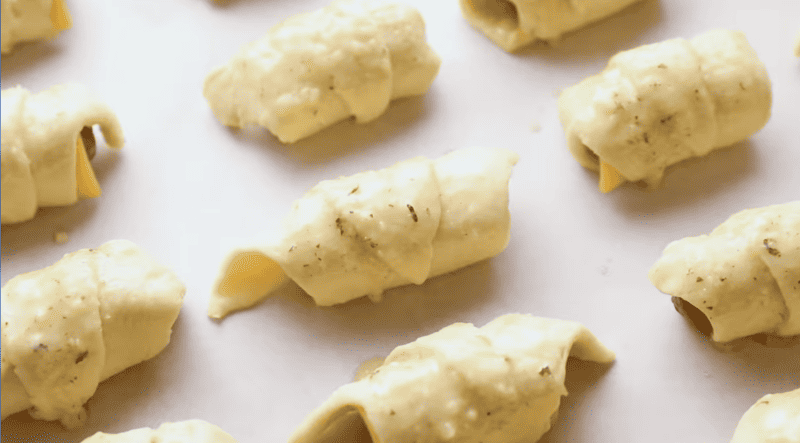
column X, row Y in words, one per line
column 60, row 237
column 536, row 127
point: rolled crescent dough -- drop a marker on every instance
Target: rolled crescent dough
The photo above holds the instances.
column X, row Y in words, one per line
column 512, row 24
column 376, row 230
column 501, row 383
column 40, row 134
column 67, row 327
column 659, row 104
column 775, row 418
column 189, row 431
column 349, row 58
column 25, row 20
column 744, row 277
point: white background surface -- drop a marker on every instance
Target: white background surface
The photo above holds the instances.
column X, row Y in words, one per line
column 184, row 186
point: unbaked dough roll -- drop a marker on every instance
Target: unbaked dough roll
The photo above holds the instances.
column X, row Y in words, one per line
column 47, row 140
column 349, row 58
column 660, row 104
column 376, row 230
column 501, row 383
column 775, row 418
column 189, row 431
column 67, row 327
column 25, row 20
column 512, row 24
column 743, row 278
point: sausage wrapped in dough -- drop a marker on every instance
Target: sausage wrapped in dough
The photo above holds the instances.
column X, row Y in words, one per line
column 189, row 431
column 25, row 20
column 67, row 327
column 376, row 230
column 775, row 418
column 512, row 24
column 743, row 278
column 499, row 383
column 347, row 59
column 660, row 104
column 47, row 140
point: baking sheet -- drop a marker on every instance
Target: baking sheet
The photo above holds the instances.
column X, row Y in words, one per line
column 184, row 187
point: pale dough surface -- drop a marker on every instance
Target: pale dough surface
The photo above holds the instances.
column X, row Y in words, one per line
column 501, row 383
column 512, row 24
column 186, row 185
column 67, row 327
column 350, row 58
column 363, row 234
column 24, row 20
column 774, row 418
column 189, row 431
column 744, row 276
column 659, row 104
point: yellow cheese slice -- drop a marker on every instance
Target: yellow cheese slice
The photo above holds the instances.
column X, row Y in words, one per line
column 88, row 187
column 60, row 16
column 610, row 178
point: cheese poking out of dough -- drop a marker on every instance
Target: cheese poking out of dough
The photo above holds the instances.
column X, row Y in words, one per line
column 60, row 16
column 88, row 187
column 43, row 165
column 610, row 177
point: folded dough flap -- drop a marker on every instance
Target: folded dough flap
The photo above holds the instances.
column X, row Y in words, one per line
column 140, row 300
column 68, row 108
column 738, row 276
column 499, row 383
column 18, row 189
column 93, row 313
column 773, row 418
column 248, row 275
column 475, row 221
column 189, row 431
column 512, row 24
column 414, row 63
column 738, row 82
